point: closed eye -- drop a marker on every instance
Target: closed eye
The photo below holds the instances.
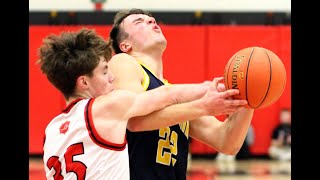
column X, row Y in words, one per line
column 137, row 21
column 105, row 69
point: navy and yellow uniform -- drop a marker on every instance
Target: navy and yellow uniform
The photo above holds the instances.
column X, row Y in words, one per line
column 159, row 154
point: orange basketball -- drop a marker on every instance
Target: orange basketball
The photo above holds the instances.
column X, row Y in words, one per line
column 258, row 73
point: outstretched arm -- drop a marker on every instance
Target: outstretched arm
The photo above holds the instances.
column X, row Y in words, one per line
column 163, row 96
column 212, row 103
column 129, row 76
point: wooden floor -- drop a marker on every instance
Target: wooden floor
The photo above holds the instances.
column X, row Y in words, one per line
column 239, row 170
column 212, row 170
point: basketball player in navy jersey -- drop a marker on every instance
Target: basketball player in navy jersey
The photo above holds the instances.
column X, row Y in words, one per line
column 162, row 154
column 87, row 140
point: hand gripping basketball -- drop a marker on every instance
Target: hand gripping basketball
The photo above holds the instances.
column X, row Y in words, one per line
column 219, row 103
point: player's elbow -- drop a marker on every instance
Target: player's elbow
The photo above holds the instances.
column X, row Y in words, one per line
column 230, row 150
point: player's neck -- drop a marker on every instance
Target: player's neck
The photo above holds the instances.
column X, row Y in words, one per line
column 72, row 99
column 76, row 96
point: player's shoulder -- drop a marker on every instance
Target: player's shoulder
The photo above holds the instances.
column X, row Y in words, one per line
column 124, row 65
column 123, row 59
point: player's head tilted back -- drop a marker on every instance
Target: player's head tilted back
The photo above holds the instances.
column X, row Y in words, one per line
column 73, row 58
column 136, row 30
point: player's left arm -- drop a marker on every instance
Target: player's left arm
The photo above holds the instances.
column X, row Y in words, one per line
column 224, row 136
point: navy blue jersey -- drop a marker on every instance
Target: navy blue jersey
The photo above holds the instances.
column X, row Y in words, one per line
column 159, row 154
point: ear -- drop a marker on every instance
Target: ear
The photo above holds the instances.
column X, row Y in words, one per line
column 82, row 83
column 125, row 47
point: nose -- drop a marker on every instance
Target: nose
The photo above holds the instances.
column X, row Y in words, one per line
column 151, row 20
column 111, row 77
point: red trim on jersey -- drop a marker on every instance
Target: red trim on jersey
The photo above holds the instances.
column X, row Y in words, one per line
column 70, row 105
column 94, row 134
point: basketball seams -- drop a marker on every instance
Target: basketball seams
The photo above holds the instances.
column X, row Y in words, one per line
column 247, row 71
column 256, row 65
column 270, row 77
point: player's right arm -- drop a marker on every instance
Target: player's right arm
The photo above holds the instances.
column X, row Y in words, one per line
column 128, row 75
column 121, row 105
column 213, row 103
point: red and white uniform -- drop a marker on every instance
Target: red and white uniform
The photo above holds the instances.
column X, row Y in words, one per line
column 74, row 150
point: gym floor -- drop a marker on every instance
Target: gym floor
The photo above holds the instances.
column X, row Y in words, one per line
column 208, row 169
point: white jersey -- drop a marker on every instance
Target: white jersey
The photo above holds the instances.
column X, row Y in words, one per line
column 74, row 150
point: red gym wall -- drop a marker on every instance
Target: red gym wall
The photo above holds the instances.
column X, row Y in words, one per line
column 194, row 54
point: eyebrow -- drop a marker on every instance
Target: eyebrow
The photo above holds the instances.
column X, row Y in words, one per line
column 138, row 19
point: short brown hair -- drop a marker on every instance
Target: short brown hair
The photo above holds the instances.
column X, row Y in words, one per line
column 116, row 33
column 65, row 57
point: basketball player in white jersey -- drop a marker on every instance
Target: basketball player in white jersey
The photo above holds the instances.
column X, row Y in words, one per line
column 87, row 140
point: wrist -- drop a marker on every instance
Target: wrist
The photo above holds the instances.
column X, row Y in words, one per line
column 202, row 107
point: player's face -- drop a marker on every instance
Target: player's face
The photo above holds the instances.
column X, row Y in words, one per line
column 102, row 80
column 143, row 32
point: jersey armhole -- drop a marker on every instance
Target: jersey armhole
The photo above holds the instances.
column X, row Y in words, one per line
column 146, row 79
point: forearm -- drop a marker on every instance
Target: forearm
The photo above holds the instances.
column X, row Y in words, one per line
column 168, row 116
column 236, row 128
column 188, row 92
column 164, row 96
column 227, row 136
